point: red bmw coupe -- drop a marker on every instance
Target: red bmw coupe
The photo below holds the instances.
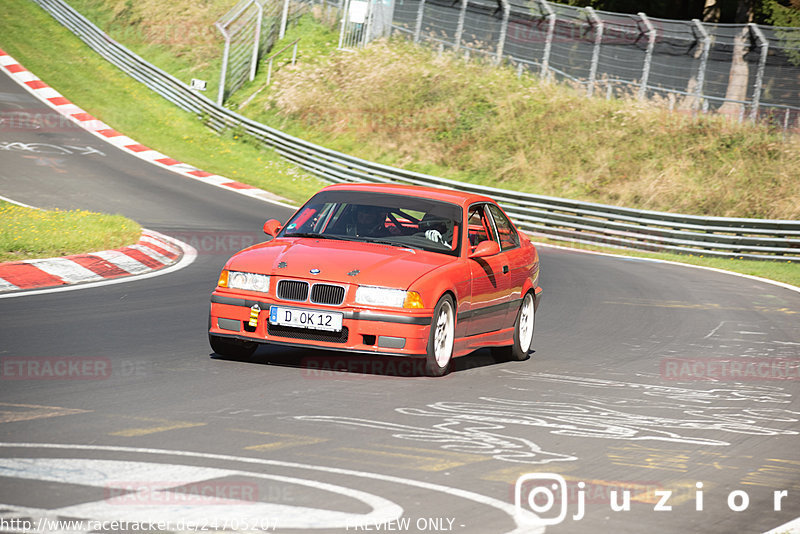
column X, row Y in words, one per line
column 383, row 269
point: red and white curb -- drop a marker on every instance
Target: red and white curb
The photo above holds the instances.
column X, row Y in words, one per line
column 153, row 252
column 60, row 104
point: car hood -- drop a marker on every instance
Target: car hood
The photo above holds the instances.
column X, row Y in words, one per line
column 338, row 261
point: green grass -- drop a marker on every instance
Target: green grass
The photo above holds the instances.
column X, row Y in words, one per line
column 27, row 233
column 34, row 38
column 178, row 37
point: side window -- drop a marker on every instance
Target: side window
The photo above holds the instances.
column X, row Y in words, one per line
column 479, row 225
column 508, row 236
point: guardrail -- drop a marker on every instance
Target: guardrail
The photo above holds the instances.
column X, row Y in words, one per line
column 552, row 217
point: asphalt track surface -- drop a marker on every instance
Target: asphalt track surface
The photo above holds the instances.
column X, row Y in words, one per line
column 324, row 451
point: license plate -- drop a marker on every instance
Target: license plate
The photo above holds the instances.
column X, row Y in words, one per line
column 300, row 318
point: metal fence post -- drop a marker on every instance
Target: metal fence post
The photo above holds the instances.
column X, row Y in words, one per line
column 460, row 29
column 763, row 45
column 701, row 70
column 548, row 43
column 344, row 11
column 284, row 18
column 365, row 37
column 503, row 30
column 418, row 29
column 256, row 41
column 785, row 122
column 598, row 39
column 648, row 58
column 226, row 52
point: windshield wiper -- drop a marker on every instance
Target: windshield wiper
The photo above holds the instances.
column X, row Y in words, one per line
column 394, row 244
column 307, row 234
column 365, row 239
column 336, row 237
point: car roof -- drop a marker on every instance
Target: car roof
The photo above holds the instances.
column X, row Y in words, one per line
column 445, row 195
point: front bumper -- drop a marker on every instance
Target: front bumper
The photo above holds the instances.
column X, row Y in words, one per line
column 401, row 332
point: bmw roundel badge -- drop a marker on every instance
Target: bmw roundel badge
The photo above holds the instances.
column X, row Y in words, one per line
column 314, row 271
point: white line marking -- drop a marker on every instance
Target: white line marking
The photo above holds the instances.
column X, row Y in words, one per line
column 526, row 521
column 155, row 503
column 18, row 203
column 715, row 330
column 102, row 473
column 792, row 527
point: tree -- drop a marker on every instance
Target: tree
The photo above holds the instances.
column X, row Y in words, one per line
column 739, row 73
column 783, row 13
column 786, row 14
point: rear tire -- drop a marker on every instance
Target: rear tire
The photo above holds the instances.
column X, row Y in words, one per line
column 523, row 333
column 441, row 338
column 232, row 348
column 523, row 329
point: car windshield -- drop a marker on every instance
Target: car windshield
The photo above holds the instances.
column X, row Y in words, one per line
column 385, row 218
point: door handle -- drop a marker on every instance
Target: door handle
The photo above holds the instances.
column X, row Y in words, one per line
column 505, row 269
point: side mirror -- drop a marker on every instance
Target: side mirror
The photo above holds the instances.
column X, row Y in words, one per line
column 272, row 227
column 485, row 248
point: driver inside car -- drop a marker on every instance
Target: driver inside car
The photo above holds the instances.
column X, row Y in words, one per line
column 369, row 221
column 436, row 229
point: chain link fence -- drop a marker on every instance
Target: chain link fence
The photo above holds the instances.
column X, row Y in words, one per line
column 749, row 72
column 250, row 29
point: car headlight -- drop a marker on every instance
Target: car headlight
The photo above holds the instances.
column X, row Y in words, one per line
column 385, row 296
column 248, row 281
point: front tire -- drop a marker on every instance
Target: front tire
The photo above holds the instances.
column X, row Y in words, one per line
column 441, row 338
column 232, row 348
